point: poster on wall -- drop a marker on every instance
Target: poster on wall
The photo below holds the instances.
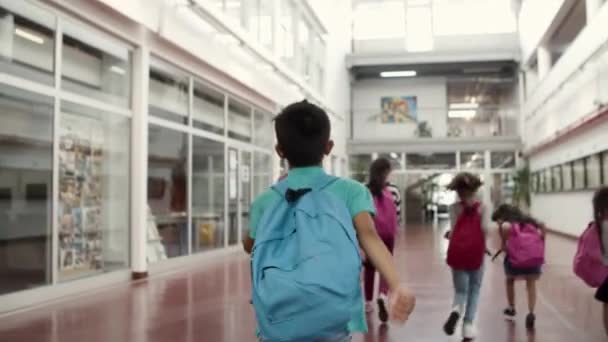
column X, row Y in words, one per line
column 80, row 183
column 399, row 109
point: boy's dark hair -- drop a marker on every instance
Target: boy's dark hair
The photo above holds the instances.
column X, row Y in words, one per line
column 377, row 176
column 465, row 181
column 303, row 130
column 511, row 213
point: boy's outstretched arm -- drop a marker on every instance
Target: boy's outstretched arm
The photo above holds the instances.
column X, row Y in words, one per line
column 402, row 300
column 248, row 244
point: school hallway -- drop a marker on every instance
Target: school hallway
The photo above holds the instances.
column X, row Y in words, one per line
column 210, row 302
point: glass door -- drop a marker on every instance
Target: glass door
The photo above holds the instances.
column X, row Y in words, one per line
column 239, row 193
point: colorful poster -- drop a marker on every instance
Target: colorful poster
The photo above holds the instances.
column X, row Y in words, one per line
column 399, row 109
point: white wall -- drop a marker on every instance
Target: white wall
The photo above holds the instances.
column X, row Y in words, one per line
column 431, row 93
column 535, row 18
column 337, row 76
column 470, row 44
column 568, row 95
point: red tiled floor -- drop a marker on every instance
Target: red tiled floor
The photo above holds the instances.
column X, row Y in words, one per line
column 211, row 303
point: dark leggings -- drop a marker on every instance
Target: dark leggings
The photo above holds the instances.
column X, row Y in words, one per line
column 370, row 272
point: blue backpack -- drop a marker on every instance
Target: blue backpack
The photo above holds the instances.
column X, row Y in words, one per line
column 305, row 265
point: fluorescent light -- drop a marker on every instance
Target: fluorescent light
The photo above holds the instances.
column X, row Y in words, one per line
column 118, row 70
column 464, row 105
column 29, row 36
column 233, row 4
column 402, row 73
column 462, row 114
column 394, row 155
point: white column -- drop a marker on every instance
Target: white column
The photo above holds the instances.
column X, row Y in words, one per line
column 593, row 6
column 522, row 99
column 543, row 56
column 139, row 163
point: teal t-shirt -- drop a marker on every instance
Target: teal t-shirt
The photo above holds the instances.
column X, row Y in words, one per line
column 355, row 195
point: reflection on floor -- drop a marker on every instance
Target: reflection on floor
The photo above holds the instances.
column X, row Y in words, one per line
column 211, row 303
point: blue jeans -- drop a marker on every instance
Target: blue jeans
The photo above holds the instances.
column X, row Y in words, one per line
column 467, row 285
column 341, row 337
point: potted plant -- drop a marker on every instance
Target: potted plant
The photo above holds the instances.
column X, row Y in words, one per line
column 423, row 130
column 521, row 188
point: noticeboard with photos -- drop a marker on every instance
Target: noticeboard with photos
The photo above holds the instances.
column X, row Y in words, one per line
column 80, row 196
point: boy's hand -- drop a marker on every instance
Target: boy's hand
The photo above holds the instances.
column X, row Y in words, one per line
column 402, row 303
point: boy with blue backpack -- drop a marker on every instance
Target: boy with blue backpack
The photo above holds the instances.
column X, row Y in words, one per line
column 304, row 239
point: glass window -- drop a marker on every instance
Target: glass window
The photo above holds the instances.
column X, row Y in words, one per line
column 556, row 175
column 318, row 71
column 424, row 161
column 239, row 120
column 94, row 181
column 26, row 151
column 167, row 192
column 535, row 182
column 594, row 171
column 94, row 66
column 262, row 168
column 245, row 191
column 605, row 167
column 27, row 41
column 502, row 160
column 285, row 35
column 261, row 23
column 234, row 11
column 263, row 129
column 359, row 166
column 208, row 109
column 395, row 159
column 208, row 179
column 578, row 170
column 472, row 160
column 304, row 45
column 168, row 96
column 567, row 177
column 542, row 182
column 549, row 183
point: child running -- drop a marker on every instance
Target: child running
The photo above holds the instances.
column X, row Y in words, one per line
column 386, row 221
column 304, row 238
column 466, row 252
column 523, row 239
column 600, row 213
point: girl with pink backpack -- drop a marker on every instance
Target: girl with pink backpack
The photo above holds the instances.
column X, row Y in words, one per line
column 523, row 240
column 386, row 221
column 591, row 259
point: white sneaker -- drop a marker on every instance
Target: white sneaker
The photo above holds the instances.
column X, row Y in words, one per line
column 468, row 331
column 369, row 307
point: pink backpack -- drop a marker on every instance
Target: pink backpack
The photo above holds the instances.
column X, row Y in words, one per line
column 525, row 247
column 386, row 215
column 588, row 261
